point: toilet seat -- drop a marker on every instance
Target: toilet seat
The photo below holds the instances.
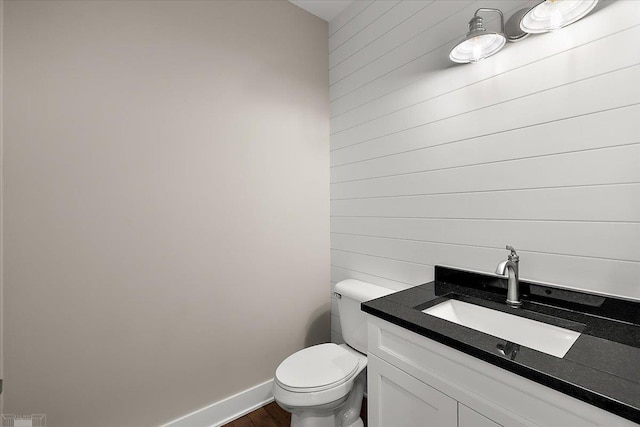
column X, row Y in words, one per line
column 307, row 398
column 331, row 365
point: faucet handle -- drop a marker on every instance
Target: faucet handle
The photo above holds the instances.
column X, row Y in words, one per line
column 513, row 255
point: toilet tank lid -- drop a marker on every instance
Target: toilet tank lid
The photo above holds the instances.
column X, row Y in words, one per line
column 361, row 291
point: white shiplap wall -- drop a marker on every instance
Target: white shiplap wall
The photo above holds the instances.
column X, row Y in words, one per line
column 436, row 163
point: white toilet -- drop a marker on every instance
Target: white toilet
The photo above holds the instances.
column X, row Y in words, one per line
column 323, row 385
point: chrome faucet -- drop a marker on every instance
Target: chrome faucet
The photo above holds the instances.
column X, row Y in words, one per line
column 511, row 267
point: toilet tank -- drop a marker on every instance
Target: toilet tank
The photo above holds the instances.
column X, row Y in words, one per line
column 351, row 293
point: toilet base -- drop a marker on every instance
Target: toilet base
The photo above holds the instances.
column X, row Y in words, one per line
column 313, row 420
column 320, row 421
column 341, row 413
column 357, row 423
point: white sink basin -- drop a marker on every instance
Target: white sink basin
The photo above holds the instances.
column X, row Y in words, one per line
column 540, row 336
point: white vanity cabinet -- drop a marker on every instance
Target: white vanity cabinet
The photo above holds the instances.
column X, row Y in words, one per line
column 415, row 381
column 403, row 401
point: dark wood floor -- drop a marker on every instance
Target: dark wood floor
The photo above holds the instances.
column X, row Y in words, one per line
column 274, row 416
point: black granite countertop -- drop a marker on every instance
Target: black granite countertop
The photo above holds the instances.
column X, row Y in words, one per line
column 601, row 368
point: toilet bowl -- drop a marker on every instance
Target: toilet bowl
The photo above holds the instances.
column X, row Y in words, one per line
column 323, row 385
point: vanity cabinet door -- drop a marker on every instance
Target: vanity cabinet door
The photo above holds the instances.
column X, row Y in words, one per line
column 469, row 418
column 396, row 399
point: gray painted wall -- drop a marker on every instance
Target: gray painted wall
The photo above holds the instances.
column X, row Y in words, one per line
column 166, row 203
column 436, row 163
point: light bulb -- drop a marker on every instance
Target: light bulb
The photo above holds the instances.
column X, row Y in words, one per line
column 555, row 18
column 476, row 50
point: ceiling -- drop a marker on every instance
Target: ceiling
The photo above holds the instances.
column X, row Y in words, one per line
column 325, row 9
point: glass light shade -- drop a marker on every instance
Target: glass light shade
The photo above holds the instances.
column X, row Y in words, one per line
column 550, row 15
column 477, row 46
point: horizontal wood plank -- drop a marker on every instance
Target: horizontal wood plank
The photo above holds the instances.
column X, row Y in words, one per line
column 360, row 22
column 395, row 16
column 588, row 203
column 580, row 133
column 347, row 15
column 613, row 165
column 598, row 240
column 340, row 273
column 594, row 93
column 405, row 272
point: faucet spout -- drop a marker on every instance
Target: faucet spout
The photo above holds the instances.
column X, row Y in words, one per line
column 509, row 267
column 500, row 269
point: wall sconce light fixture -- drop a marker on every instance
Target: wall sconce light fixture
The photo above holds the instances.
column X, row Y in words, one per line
column 479, row 43
column 550, row 15
column 547, row 15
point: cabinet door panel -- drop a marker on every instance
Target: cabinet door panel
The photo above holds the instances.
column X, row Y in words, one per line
column 399, row 400
column 469, row 418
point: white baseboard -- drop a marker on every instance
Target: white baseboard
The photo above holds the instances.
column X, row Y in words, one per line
column 229, row 409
